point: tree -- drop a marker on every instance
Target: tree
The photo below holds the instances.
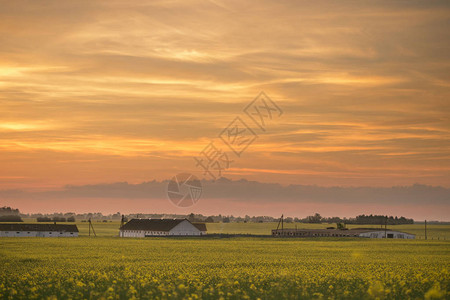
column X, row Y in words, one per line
column 340, row 226
column 10, row 218
column 191, row 217
column 317, row 218
column 8, row 211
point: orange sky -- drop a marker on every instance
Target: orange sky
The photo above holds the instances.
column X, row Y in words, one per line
column 99, row 92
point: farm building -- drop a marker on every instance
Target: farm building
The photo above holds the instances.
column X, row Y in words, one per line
column 356, row 232
column 38, row 230
column 161, row 227
column 201, row 227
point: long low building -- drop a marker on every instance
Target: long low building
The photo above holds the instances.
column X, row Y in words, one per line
column 38, row 230
column 357, row 232
column 161, row 227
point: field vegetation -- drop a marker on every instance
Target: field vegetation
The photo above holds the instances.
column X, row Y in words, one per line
column 108, row 267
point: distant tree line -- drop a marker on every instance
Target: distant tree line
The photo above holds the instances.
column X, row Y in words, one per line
column 360, row 219
column 14, row 215
column 8, row 214
column 10, row 219
column 8, row 211
column 380, row 219
column 55, row 219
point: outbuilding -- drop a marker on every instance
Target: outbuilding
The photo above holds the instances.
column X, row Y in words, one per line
column 38, row 230
column 161, row 227
column 356, row 232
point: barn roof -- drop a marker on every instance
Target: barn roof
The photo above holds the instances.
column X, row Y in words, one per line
column 152, row 224
column 335, row 231
column 38, row 227
column 330, row 231
column 200, row 226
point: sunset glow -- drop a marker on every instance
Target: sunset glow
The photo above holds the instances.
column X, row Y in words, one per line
column 122, row 91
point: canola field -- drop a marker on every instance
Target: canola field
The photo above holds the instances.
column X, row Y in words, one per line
column 228, row 268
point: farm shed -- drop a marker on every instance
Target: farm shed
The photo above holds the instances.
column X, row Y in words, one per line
column 357, row 232
column 161, row 227
column 38, row 230
column 201, row 227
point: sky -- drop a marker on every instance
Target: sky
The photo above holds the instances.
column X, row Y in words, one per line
column 98, row 93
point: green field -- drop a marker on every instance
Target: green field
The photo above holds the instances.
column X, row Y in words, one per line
column 111, row 229
column 433, row 231
column 109, row 267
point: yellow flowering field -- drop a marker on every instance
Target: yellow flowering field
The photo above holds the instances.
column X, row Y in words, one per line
column 212, row 268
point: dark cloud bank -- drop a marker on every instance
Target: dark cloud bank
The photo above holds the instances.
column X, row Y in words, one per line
column 245, row 191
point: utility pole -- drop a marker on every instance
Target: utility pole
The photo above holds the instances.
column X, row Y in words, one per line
column 278, row 226
column 425, row 229
column 90, row 225
column 385, row 227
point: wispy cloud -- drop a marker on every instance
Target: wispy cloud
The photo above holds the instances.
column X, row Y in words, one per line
column 132, row 90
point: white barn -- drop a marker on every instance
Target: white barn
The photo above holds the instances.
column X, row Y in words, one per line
column 381, row 234
column 161, row 227
column 38, row 230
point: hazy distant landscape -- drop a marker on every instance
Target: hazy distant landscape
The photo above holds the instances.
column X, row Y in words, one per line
column 111, row 228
